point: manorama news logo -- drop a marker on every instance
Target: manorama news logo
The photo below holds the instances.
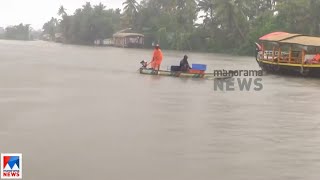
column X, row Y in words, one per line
column 247, row 80
column 11, row 166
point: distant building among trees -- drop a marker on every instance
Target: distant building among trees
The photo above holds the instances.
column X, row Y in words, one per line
column 128, row 40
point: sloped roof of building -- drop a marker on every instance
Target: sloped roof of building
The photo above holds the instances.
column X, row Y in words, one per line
column 127, row 34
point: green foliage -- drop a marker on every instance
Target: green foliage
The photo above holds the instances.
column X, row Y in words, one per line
column 18, row 32
column 51, row 27
column 86, row 25
column 230, row 26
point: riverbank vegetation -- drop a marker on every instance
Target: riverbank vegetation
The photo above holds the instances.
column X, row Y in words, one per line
column 86, row 25
column 19, row 32
column 227, row 26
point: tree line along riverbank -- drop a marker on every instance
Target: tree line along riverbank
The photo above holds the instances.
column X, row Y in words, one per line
column 223, row 26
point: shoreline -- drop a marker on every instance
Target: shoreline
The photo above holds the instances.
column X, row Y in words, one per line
column 105, row 46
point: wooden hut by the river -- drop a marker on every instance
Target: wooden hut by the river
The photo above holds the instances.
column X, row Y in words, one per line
column 130, row 40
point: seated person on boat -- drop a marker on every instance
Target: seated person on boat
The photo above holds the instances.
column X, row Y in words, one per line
column 184, row 64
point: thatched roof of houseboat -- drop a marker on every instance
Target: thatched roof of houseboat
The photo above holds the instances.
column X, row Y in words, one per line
column 278, row 36
column 288, row 38
column 303, row 40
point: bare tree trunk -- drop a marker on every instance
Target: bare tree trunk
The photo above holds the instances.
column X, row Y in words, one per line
column 239, row 29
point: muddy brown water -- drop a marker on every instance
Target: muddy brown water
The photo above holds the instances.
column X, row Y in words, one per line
column 82, row 113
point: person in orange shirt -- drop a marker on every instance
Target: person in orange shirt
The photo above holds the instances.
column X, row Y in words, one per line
column 157, row 58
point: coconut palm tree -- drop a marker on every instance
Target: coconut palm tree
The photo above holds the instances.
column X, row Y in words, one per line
column 99, row 8
column 230, row 15
column 62, row 11
column 87, row 8
column 131, row 8
column 186, row 13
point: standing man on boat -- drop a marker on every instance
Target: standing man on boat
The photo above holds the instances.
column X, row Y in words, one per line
column 157, row 58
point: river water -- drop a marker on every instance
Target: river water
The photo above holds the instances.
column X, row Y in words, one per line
column 78, row 112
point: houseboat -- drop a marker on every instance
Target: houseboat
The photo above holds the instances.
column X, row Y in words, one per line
column 287, row 53
column 128, row 40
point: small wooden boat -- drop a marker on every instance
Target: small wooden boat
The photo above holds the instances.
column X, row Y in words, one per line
column 286, row 53
column 149, row 71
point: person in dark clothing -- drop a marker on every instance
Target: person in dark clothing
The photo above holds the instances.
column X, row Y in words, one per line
column 184, row 64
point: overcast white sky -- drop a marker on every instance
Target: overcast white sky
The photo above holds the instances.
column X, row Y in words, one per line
column 37, row 12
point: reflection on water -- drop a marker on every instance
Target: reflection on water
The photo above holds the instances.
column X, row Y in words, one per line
column 85, row 113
